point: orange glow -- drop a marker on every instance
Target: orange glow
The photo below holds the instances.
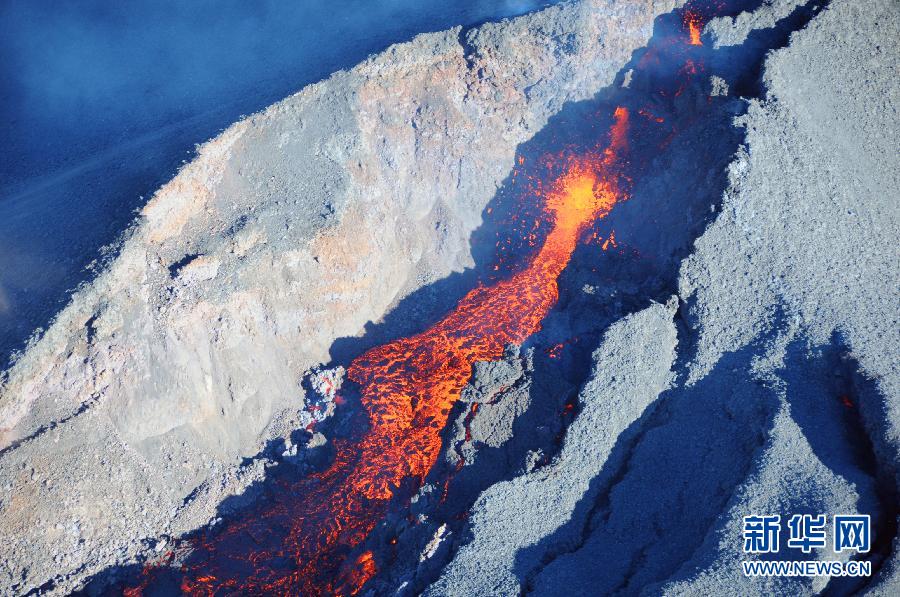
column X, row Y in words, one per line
column 694, row 23
column 363, row 570
column 408, row 388
column 610, row 241
column 468, row 422
column 555, row 351
column 648, row 114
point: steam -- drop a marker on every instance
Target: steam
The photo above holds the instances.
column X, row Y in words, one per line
column 120, row 65
column 100, row 100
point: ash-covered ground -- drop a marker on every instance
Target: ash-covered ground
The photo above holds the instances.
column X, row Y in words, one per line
column 722, row 342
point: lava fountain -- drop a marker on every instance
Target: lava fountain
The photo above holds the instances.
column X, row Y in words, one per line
column 309, row 541
column 693, row 21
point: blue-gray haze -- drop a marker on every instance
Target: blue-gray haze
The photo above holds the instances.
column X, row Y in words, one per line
column 100, row 101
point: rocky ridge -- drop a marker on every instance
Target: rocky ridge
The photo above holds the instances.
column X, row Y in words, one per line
column 783, row 395
column 123, row 424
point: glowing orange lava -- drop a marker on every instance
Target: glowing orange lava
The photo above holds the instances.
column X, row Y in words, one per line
column 363, row 570
column 694, row 23
column 407, row 388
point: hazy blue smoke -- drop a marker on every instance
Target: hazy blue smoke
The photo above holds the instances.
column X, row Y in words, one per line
column 101, row 100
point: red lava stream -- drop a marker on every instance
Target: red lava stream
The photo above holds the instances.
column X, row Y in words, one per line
column 309, row 538
column 301, row 543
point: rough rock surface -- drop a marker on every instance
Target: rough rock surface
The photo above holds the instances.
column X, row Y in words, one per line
column 296, row 226
column 733, row 31
column 769, row 384
column 807, row 243
column 786, row 395
column 633, row 367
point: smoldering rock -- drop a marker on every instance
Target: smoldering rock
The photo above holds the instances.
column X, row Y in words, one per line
column 322, row 387
column 495, row 400
column 490, row 378
column 326, row 382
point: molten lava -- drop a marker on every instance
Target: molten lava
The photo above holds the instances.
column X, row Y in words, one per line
column 310, row 537
column 307, row 542
column 694, row 23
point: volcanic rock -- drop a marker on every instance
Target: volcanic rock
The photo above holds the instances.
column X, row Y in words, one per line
column 784, row 396
column 294, row 227
column 743, row 361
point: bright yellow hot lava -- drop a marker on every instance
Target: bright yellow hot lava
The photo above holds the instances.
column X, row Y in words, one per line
column 694, row 23
column 407, row 388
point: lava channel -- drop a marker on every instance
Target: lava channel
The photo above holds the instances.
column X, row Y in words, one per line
column 309, row 539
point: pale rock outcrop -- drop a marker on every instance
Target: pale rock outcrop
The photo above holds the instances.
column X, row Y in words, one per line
column 294, row 227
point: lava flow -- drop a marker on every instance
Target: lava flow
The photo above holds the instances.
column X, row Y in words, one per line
column 309, row 540
column 694, row 23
